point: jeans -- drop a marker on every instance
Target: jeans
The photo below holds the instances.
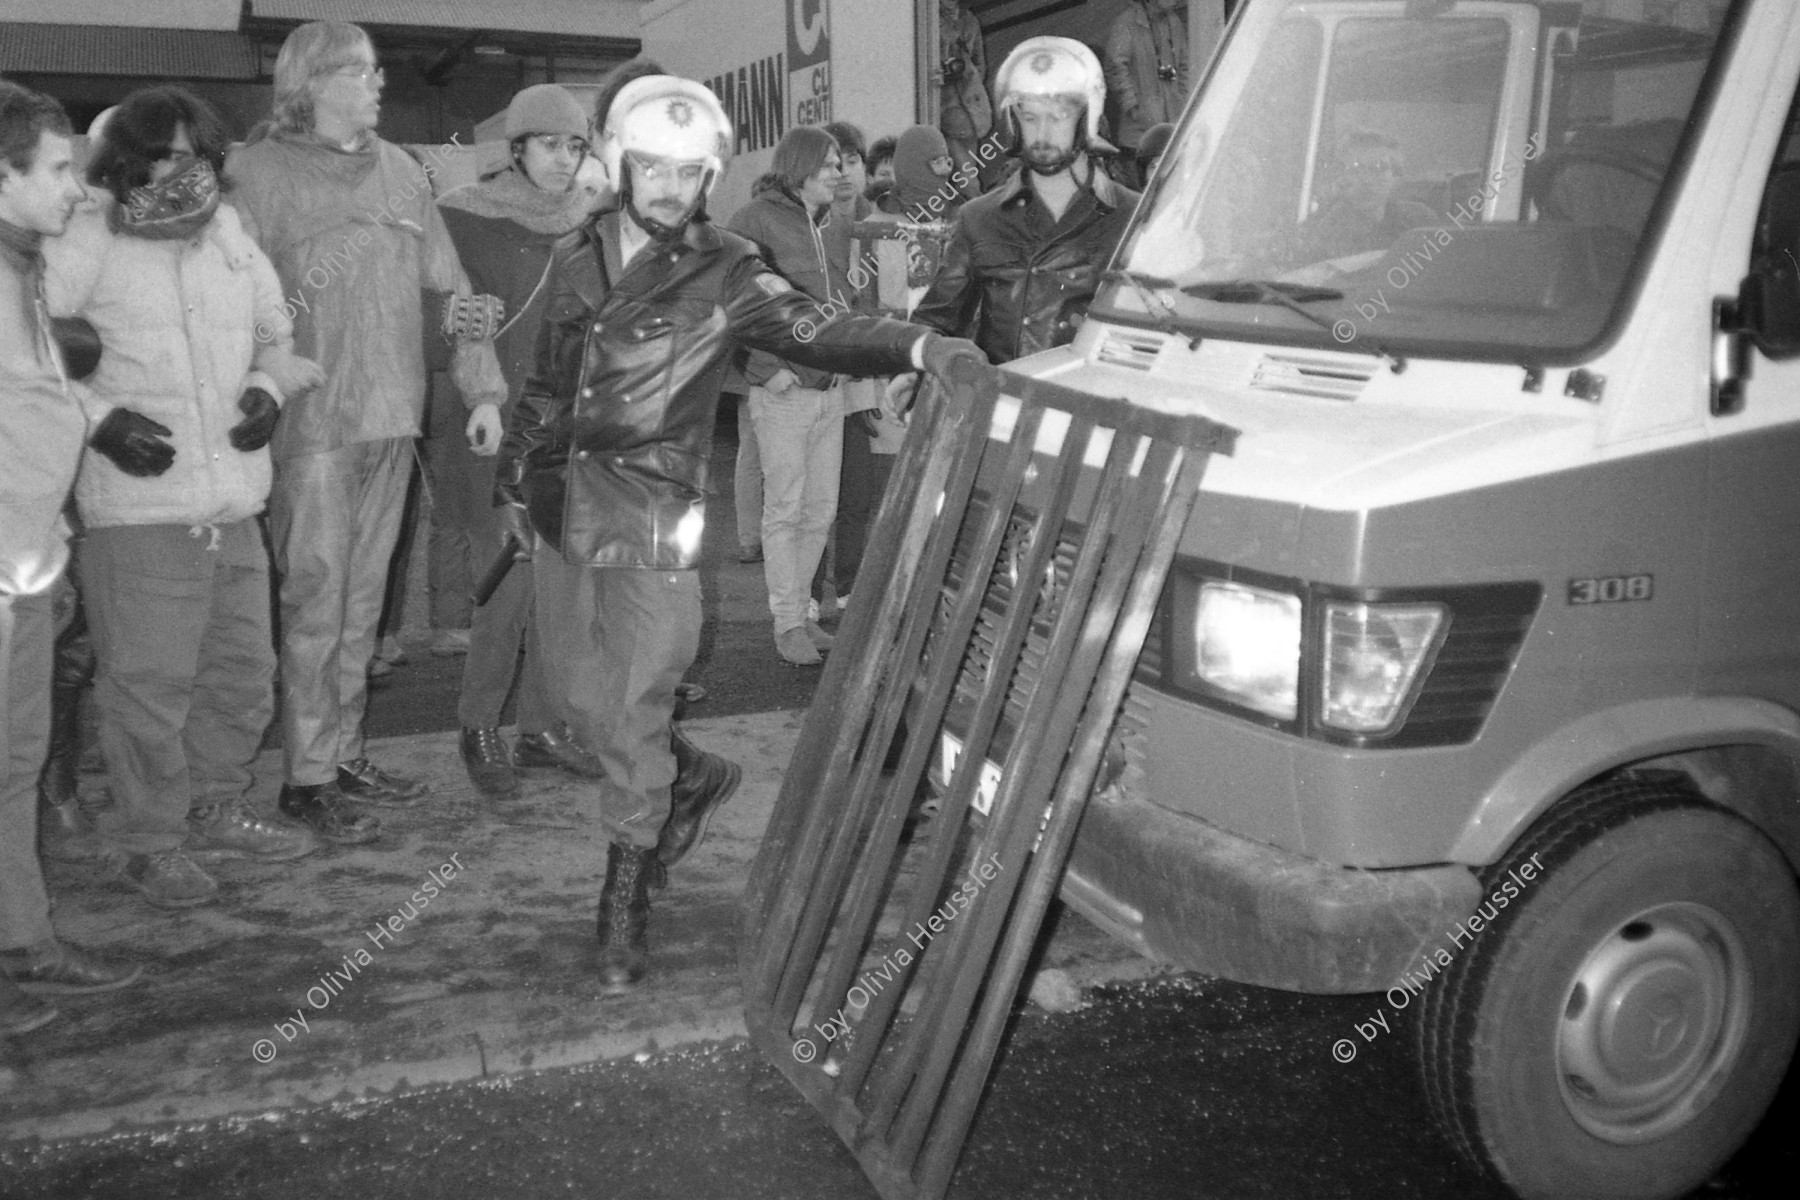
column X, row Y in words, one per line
column 27, row 632
column 800, row 435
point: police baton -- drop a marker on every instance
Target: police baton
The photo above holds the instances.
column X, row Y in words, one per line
column 490, row 583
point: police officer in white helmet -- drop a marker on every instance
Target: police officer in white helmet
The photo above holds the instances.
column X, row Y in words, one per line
column 603, row 467
column 1059, row 218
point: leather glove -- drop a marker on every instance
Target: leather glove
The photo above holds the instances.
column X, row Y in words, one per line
column 515, row 523
column 133, row 442
column 943, row 353
column 258, row 426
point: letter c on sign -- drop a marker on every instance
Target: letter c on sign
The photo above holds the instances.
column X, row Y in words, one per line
column 807, row 33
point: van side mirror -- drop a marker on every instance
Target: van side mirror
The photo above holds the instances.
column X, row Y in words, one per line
column 1769, row 299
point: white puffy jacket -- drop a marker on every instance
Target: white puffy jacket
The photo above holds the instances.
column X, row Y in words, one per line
column 182, row 324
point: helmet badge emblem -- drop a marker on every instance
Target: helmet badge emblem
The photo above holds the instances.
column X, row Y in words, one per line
column 681, row 113
column 1042, row 62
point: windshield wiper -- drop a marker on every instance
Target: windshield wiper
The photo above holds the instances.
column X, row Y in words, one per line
column 1155, row 307
column 1261, row 291
column 1293, row 297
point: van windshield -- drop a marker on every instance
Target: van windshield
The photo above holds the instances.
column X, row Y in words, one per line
column 1474, row 177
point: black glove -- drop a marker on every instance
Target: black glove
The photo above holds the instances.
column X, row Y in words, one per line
column 134, row 443
column 258, row 426
column 515, row 525
column 943, row 353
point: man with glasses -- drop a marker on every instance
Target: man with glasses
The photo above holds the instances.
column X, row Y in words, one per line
column 1360, row 213
column 504, row 228
column 603, row 468
column 349, row 222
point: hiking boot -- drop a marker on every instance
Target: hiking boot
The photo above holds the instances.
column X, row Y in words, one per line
column 490, row 766
column 625, row 916
column 55, row 968
column 819, row 637
column 363, row 781
column 229, row 829
column 796, row 648
column 167, row 878
column 19, row 1012
column 323, row 809
column 703, row 783
column 556, row 749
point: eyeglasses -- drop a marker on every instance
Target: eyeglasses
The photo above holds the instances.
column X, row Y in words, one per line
column 560, row 143
column 653, row 169
column 1372, row 167
column 361, row 72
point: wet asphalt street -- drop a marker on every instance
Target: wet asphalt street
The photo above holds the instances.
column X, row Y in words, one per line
column 1178, row 1087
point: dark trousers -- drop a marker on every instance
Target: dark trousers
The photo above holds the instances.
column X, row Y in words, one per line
column 184, row 686
column 616, row 642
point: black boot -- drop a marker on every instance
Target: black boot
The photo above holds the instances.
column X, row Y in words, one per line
column 625, row 915
column 703, row 783
column 65, row 834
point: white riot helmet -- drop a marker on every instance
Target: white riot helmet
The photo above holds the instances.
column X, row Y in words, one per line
column 1057, row 68
column 668, row 118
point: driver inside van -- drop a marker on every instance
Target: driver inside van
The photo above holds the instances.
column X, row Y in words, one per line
column 1360, row 212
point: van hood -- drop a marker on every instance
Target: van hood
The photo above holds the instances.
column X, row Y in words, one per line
column 1436, row 428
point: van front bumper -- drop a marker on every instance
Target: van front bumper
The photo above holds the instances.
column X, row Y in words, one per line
column 1182, row 891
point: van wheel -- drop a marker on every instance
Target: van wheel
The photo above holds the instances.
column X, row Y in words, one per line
column 1621, row 1024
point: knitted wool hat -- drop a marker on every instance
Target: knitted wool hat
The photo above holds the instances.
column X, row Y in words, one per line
column 545, row 108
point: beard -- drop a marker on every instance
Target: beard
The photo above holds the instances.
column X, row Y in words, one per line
column 1047, row 158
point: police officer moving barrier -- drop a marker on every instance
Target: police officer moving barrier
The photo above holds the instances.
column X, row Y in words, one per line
column 1045, row 234
column 603, row 467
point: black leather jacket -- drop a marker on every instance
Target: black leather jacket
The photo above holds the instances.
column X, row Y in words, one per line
column 608, row 445
column 1014, row 280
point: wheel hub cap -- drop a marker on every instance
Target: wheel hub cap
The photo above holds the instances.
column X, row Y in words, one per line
column 1652, row 1022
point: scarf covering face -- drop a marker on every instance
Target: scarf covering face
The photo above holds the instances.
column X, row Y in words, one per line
column 178, row 207
column 511, row 196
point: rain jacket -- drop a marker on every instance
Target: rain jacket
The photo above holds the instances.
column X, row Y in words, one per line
column 607, row 448
column 1017, row 282
column 42, row 428
column 356, row 239
column 181, row 322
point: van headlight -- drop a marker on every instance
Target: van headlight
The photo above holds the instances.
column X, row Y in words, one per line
column 1373, row 655
column 1247, row 646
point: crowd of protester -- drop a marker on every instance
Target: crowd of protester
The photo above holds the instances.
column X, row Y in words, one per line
column 266, row 366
